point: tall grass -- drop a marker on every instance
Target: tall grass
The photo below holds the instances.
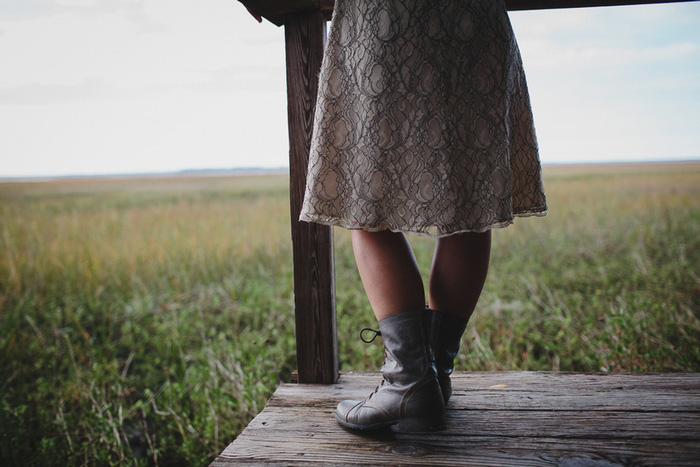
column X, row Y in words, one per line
column 142, row 321
column 146, row 321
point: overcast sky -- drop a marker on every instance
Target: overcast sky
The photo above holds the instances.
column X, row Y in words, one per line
column 124, row 86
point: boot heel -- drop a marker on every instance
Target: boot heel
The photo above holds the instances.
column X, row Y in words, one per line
column 419, row 425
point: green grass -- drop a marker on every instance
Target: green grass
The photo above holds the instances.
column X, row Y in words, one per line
column 146, row 321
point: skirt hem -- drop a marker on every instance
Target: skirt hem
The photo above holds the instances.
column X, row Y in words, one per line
column 427, row 231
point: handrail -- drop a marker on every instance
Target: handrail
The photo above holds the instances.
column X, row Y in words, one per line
column 555, row 4
column 276, row 10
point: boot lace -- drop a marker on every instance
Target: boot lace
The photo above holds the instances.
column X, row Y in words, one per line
column 369, row 341
column 375, row 331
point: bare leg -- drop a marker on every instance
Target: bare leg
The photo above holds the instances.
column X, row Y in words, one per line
column 458, row 272
column 388, row 271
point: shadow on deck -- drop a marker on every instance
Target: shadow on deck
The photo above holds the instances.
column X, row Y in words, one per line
column 494, row 418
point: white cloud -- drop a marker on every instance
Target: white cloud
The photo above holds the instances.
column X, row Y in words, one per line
column 33, row 9
column 80, row 3
column 43, row 94
column 182, row 130
column 67, row 48
column 546, row 54
column 86, row 90
column 612, row 83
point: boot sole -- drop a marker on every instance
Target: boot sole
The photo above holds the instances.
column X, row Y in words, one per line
column 408, row 425
column 418, row 425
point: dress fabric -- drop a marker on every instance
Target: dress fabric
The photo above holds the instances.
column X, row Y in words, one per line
column 423, row 121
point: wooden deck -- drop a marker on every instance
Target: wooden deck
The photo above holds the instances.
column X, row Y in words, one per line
column 494, row 418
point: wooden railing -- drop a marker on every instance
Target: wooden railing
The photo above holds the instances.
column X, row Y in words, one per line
column 314, row 275
column 276, row 10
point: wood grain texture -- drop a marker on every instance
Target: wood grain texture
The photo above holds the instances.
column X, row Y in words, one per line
column 528, row 418
column 595, row 424
column 553, row 4
column 525, row 391
column 276, row 10
column 314, row 275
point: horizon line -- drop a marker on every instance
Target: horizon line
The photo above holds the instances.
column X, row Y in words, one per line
column 241, row 171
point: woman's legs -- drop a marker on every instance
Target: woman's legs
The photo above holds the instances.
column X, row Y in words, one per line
column 458, row 273
column 388, row 271
column 393, row 282
column 457, row 276
column 416, row 372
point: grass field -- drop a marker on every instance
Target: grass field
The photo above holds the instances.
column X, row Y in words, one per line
column 146, row 321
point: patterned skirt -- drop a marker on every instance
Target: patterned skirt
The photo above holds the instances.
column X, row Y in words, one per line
column 423, row 121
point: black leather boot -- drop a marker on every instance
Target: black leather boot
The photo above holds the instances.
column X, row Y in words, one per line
column 446, row 334
column 408, row 398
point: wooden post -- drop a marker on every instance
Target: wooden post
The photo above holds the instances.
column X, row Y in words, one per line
column 314, row 274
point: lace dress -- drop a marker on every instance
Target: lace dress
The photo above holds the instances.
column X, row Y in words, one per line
column 423, row 121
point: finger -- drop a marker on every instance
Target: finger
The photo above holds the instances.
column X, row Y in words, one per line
column 255, row 15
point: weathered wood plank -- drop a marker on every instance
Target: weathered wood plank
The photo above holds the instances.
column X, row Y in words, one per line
column 314, row 275
column 550, row 379
column 526, row 391
column 644, row 426
column 594, row 424
column 276, row 10
column 551, row 402
column 553, row 4
column 419, row 450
